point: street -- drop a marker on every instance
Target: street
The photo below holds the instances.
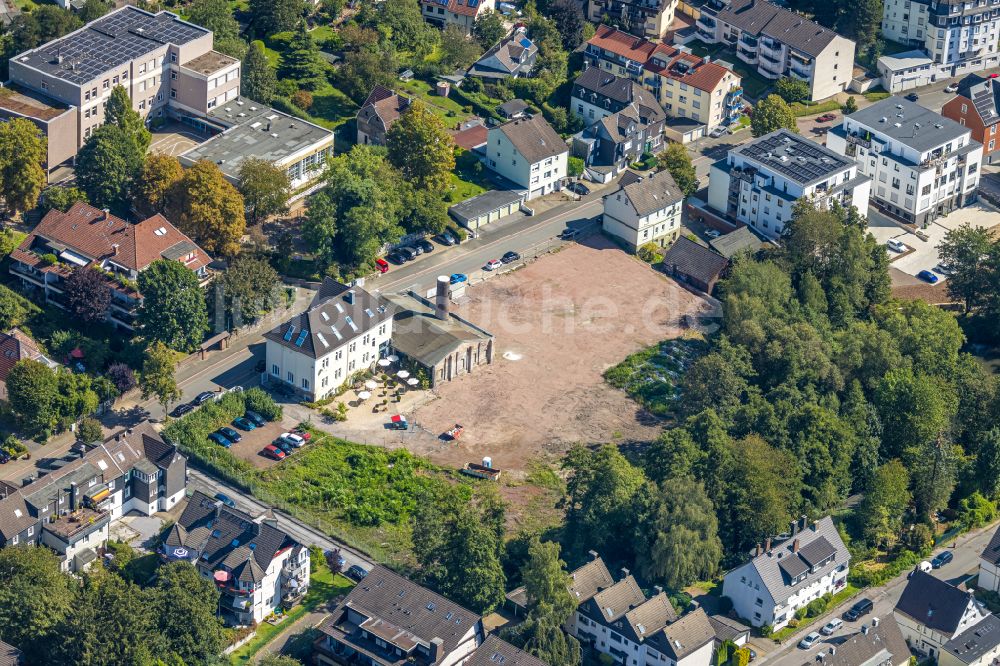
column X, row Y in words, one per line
column 965, row 565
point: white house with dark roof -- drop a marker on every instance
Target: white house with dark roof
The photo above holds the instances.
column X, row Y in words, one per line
column 512, row 56
column 989, row 565
column 932, row 613
column 256, row 565
column 462, row 13
column 878, row 644
column 785, row 576
column 344, row 331
column 644, row 209
column 497, row 652
column 529, row 153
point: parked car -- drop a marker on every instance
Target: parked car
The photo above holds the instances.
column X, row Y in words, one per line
column 382, row 265
column 425, row 245
column 356, row 572
column 942, row 559
column 831, row 626
column 753, row 653
column 445, row 238
column 826, row 117
column 230, row 434
column 244, row 423
column 273, row 452
column 182, row 409
column 225, row 499
column 928, row 276
column 568, row 234
column 220, row 439
column 913, row 97
column 492, row 265
column 713, row 233
column 895, row 245
column 809, row 640
column 578, row 188
column 303, row 433
column 408, row 252
column 860, row 608
column 396, row 257
column 993, row 75
column 924, row 566
column 510, row 257
column 287, row 448
column 203, row 397
column 292, row 439
column 4, row 457
column 459, row 277
column 951, row 87
column 416, row 248
column 944, row 269
column 717, row 132
column 257, row 419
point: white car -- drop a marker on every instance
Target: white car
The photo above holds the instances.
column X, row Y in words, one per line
column 809, row 641
column 492, row 265
column 952, row 87
column 717, row 132
column 712, row 233
column 895, row 245
column 292, row 439
column 832, row 626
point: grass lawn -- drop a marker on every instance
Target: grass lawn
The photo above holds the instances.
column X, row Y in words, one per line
column 468, row 179
column 447, row 109
column 324, row 585
column 651, row 377
column 876, row 95
column 800, row 109
column 332, row 108
column 322, row 33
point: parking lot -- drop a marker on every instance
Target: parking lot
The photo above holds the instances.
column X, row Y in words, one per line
column 249, row 448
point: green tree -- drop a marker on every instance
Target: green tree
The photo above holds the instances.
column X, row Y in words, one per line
column 93, row 10
column 160, row 174
column 185, row 605
column 302, row 63
column 61, row 198
column 89, row 430
column 914, row 410
column 934, row 468
column 23, row 155
column 677, row 161
column 173, row 309
column 258, row 80
column 457, row 50
column 866, row 20
column 791, row 90
column 35, row 596
column 489, row 29
column 364, row 69
column 575, row 166
column 279, row 659
column 966, row 250
column 32, row 392
column 987, row 466
column 569, row 19
column 208, row 208
column 118, row 111
column 770, row 114
column 421, row 148
column 268, row 17
column 265, row 188
column 851, row 105
column 404, row 25
column 87, row 294
column 215, row 15
column 107, row 165
column 157, row 376
column 976, row 511
column 252, row 287
column 879, row 515
column 680, row 536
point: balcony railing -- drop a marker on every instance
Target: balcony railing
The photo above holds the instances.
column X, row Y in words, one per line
column 706, row 21
column 750, row 42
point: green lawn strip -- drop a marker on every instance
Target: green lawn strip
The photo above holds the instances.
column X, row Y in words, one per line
column 801, row 109
column 450, row 111
column 876, row 95
column 835, row 601
column 331, row 107
column 322, row 33
column 324, row 585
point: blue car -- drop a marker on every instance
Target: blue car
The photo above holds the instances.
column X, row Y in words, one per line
column 220, row 440
column 928, row 276
column 244, row 423
column 458, row 277
column 230, row 434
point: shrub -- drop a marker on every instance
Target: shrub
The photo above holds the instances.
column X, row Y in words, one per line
column 257, row 400
column 766, row 630
column 817, row 607
column 14, row 447
column 89, row 431
column 48, row 259
column 649, row 252
column 741, row 657
column 574, row 166
column 302, row 99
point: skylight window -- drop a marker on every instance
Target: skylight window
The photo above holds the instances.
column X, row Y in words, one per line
column 290, row 332
column 303, row 334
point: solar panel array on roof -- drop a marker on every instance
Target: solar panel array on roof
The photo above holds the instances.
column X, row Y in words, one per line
column 799, row 159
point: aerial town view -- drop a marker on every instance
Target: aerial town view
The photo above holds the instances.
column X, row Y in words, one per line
column 499, row 332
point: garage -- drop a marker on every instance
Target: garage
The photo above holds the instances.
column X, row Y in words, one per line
column 487, row 208
column 684, row 130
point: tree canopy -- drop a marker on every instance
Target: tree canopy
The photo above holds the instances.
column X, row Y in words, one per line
column 771, row 113
column 173, row 309
column 258, row 80
column 265, row 188
column 207, row 207
column 421, row 148
column 23, row 155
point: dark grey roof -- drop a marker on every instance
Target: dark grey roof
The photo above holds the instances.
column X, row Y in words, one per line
column 507, row 57
column 793, row 567
column 796, row 158
column 421, row 336
column 109, row 42
column 985, row 96
column 331, row 320
column 883, row 644
column 728, row 629
column 731, row 244
column 651, row 193
column 687, row 635
column 585, row 582
column 934, row 603
column 497, row 652
column 533, row 138
column 970, row 645
column 761, row 17
column 817, row 551
column 992, row 551
column 605, row 84
column 618, row 599
column 485, row 203
column 689, row 258
column 651, row 616
column 909, row 116
column 513, row 107
column 15, row 517
column 9, row 655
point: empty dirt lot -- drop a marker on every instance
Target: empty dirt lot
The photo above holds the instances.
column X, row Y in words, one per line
column 559, row 323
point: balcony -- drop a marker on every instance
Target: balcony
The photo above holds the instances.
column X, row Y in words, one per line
column 769, row 69
column 71, row 528
column 706, row 22
column 749, row 57
column 770, row 46
column 799, row 73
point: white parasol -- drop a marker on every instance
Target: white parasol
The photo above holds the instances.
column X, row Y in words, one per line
column 384, row 363
column 412, row 381
column 364, row 395
column 402, row 374
column 393, row 358
column 371, row 385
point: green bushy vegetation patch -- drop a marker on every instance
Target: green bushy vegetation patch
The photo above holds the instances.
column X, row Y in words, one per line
column 652, row 376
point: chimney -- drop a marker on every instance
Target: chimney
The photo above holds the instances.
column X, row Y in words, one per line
column 793, row 527
column 625, row 573
column 441, row 297
column 268, row 126
column 767, row 546
column 658, row 588
column 833, row 650
column 756, row 552
column 874, row 622
column 795, row 546
column 803, row 521
column 593, row 554
column 72, row 496
column 114, row 250
column 437, row 649
column 349, row 297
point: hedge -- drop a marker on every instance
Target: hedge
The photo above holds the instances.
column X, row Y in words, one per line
column 480, row 108
column 800, row 109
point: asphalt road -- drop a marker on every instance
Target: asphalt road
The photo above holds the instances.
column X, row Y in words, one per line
column 964, row 566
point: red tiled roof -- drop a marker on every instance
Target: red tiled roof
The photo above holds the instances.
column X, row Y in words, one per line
column 15, row 346
column 460, row 7
column 471, row 137
column 622, row 43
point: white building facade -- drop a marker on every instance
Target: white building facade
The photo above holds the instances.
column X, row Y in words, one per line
column 528, row 152
column 922, row 165
column 645, row 209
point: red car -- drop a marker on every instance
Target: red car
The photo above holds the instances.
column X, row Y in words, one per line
column 826, row 117
column 273, row 452
column 303, row 433
column 382, row 265
column 994, row 75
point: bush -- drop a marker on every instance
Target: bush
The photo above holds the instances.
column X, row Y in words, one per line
column 574, row 166
column 48, row 259
column 649, row 252
column 14, row 447
column 257, row 400
column 766, row 630
column 792, row 90
column 817, row 607
column 89, row 431
column 302, row 99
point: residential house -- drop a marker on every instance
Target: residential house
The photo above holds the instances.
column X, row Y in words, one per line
column 729, row 630
column 388, row 619
column 976, row 105
column 497, row 652
column 735, row 242
column 932, row 614
column 513, row 56
column 585, row 582
column 10, row 655
column 344, row 331
column 758, row 183
column 645, row 209
column 779, row 42
column 380, row 110
column 257, row 566
column 515, row 108
column 785, row 576
column 688, row 87
column 16, row 346
column 649, row 18
column 87, row 237
column 462, row 13
column 989, row 565
column 922, row 165
column 529, row 153
column 694, row 264
column 880, row 643
column 597, row 94
column 70, row 507
column 905, row 71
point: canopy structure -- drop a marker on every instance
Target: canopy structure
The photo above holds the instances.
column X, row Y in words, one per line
column 393, row 358
column 384, row 363
column 364, row 395
column 371, row 385
column 402, row 374
column 412, row 381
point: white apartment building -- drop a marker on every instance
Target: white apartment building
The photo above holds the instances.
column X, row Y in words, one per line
column 922, row 165
column 779, row 42
column 759, row 182
column 528, row 152
column 344, row 331
column 989, row 565
column 649, row 18
column 462, row 13
column 784, row 577
column 644, row 209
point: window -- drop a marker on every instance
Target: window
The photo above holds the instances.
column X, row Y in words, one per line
column 173, row 75
column 305, row 383
column 173, row 93
column 31, row 531
column 291, row 378
column 965, row 108
column 14, row 540
column 106, row 84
